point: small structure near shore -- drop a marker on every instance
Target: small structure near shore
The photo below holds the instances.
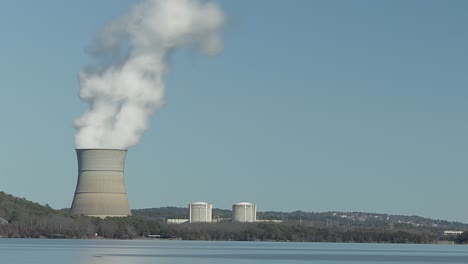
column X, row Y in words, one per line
column 176, row 221
column 55, row 236
column 452, row 233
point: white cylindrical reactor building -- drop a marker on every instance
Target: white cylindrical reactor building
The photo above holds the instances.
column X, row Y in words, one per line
column 244, row 212
column 100, row 190
column 200, row 212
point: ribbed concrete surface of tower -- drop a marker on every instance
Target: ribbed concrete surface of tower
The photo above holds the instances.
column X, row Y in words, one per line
column 100, row 190
column 244, row 212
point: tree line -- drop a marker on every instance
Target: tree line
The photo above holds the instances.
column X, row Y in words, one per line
column 25, row 219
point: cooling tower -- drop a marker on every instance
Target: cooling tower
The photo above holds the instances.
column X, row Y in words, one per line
column 244, row 212
column 100, row 190
column 200, row 212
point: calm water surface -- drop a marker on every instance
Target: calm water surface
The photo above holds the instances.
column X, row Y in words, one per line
column 42, row 251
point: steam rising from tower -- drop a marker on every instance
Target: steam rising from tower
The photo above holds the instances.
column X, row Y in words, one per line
column 126, row 85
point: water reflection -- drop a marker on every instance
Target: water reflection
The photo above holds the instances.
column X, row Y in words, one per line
column 39, row 251
column 232, row 252
column 122, row 252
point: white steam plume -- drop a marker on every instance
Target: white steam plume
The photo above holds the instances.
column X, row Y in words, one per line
column 127, row 86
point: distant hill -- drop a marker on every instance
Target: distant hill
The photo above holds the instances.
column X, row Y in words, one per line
column 13, row 208
column 322, row 220
column 163, row 212
column 171, row 212
column 22, row 218
column 363, row 219
column 29, row 219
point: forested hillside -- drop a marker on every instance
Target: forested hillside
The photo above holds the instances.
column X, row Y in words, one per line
column 29, row 219
column 25, row 219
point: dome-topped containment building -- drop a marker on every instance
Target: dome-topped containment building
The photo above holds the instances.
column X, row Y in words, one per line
column 200, row 212
column 244, row 212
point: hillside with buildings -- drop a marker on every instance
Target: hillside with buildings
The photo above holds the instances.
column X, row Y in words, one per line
column 25, row 219
column 316, row 219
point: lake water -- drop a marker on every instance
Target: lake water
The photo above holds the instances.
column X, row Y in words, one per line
column 42, row 251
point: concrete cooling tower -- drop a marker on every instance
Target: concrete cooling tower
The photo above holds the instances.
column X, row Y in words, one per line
column 200, row 212
column 244, row 212
column 100, row 190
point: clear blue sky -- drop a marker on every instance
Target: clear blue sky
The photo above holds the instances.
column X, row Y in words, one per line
column 313, row 105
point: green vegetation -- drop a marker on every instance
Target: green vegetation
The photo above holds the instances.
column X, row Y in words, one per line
column 22, row 218
column 288, row 232
column 463, row 238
